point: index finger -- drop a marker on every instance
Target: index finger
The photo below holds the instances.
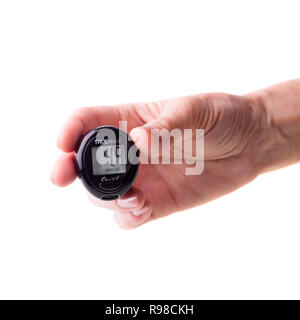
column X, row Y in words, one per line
column 82, row 121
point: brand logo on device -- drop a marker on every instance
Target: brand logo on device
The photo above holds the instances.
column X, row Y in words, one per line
column 103, row 141
column 110, row 179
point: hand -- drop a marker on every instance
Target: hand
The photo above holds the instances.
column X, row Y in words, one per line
column 232, row 125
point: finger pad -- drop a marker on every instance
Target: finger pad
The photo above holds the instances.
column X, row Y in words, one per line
column 64, row 171
column 69, row 135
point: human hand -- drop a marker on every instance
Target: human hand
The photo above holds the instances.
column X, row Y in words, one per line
column 232, row 125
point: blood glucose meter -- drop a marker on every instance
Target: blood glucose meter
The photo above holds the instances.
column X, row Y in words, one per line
column 107, row 161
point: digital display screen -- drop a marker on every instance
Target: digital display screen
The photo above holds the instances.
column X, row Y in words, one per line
column 108, row 159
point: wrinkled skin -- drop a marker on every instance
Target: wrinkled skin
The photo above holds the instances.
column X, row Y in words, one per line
column 233, row 127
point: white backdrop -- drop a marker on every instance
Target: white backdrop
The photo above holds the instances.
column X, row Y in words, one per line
column 56, row 56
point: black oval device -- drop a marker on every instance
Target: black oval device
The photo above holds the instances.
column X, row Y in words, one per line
column 107, row 162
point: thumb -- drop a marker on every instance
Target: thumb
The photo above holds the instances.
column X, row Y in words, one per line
column 147, row 138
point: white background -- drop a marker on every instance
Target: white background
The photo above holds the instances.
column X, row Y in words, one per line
column 56, row 56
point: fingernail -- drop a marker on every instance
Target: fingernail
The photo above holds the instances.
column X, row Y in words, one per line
column 128, row 202
column 139, row 212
